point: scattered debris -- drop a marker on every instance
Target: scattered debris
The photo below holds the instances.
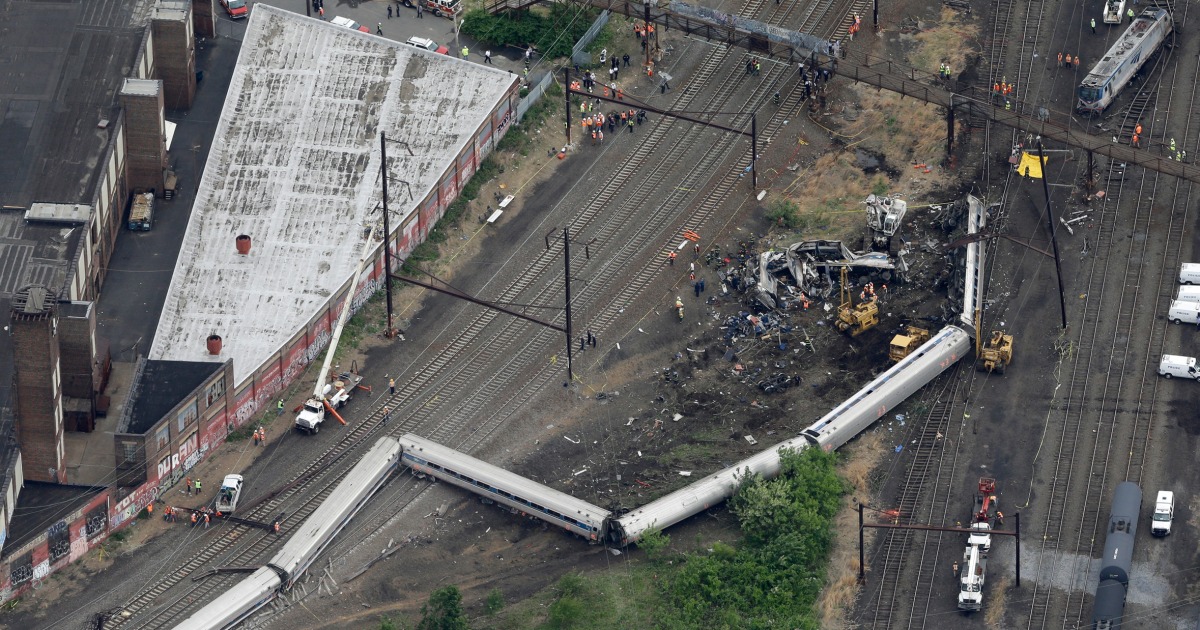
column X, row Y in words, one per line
column 751, row 440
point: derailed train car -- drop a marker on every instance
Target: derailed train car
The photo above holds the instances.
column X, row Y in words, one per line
column 830, row 432
column 1123, row 60
column 309, row 540
column 533, row 499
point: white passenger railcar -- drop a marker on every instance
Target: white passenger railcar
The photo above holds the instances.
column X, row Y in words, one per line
column 237, row 603
column 890, row 388
column 318, row 530
column 514, row 491
column 305, row 543
column 1118, row 66
column 835, row 429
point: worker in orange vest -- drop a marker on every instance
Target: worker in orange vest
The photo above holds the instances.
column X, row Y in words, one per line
column 1068, row 60
column 1138, row 129
column 1059, row 60
column 1136, row 140
column 1077, row 60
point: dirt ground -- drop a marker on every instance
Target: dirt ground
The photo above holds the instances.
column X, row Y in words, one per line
column 626, row 434
column 619, row 443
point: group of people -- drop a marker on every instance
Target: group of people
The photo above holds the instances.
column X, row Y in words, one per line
column 944, row 71
column 868, row 292
column 753, row 66
column 260, row 437
column 594, row 123
column 1067, row 61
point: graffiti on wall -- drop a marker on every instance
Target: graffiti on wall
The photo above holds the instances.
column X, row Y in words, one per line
column 95, row 521
column 181, row 460
column 137, row 501
column 21, row 570
column 58, row 540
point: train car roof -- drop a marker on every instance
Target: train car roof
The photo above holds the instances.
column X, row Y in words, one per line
column 497, row 477
column 1125, row 45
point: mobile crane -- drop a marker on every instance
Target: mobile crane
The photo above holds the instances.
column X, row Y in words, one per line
column 329, row 397
column 979, row 544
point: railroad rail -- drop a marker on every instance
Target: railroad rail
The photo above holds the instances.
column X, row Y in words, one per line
column 1105, row 368
column 441, row 397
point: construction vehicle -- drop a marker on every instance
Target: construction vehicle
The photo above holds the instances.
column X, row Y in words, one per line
column 996, row 353
column 334, row 395
column 884, row 215
column 904, row 343
column 979, row 544
column 228, row 495
column 327, row 397
column 855, row 319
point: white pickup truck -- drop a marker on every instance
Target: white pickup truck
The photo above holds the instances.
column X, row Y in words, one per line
column 228, row 495
column 335, row 394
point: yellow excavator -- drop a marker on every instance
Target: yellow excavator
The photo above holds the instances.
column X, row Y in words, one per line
column 904, row 343
column 855, row 319
column 996, row 353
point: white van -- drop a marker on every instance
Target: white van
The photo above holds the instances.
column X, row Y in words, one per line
column 1164, row 513
column 1188, row 293
column 1189, row 273
column 1173, row 365
column 1183, row 312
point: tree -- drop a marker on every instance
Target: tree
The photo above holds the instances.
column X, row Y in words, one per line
column 443, row 611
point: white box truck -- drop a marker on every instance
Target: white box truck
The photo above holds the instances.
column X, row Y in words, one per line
column 1164, row 511
column 1183, row 312
column 1188, row 293
column 1176, row 366
column 1189, row 273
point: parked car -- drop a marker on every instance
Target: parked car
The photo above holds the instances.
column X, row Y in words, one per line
column 236, row 9
column 427, row 44
column 348, row 23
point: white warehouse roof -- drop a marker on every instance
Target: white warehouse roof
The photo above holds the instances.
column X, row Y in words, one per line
column 295, row 165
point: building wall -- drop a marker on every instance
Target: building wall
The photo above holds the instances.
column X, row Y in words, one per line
column 77, row 344
column 38, row 393
column 145, row 134
column 174, row 47
column 108, row 212
column 62, row 543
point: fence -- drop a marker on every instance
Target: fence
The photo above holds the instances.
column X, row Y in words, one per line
column 536, row 91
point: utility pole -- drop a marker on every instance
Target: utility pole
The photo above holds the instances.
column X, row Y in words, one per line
column 754, row 151
column 567, row 284
column 1062, row 299
column 390, row 331
column 645, row 25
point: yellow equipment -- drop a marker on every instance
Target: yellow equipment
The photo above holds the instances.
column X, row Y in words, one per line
column 855, row 319
column 996, row 353
column 903, row 344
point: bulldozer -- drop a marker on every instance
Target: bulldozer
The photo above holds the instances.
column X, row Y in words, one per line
column 904, row 343
column 855, row 319
column 996, row 353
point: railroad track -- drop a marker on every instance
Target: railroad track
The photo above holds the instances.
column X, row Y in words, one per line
column 1100, row 383
column 234, row 540
column 444, row 373
column 894, row 604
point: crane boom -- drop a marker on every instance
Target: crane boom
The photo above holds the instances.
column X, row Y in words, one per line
column 368, row 246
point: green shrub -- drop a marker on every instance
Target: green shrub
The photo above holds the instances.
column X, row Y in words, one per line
column 553, row 30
